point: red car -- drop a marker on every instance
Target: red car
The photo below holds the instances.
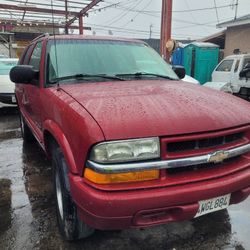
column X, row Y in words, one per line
column 131, row 145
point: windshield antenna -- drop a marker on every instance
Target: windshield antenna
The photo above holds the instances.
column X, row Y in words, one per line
column 53, row 29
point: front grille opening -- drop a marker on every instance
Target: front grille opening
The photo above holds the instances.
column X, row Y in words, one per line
column 211, row 142
column 174, row 147
column 205, row 166
column 234, row 137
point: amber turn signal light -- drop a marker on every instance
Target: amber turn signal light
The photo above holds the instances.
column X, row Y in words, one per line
column 120, row 177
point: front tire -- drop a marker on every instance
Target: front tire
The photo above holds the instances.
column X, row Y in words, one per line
column 69, row 224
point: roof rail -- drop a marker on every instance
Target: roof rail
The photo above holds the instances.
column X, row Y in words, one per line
column 42, row 35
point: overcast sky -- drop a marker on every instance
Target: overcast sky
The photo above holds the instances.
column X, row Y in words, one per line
column 133, row 17
column 192, row 19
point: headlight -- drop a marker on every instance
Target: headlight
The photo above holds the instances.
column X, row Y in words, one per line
column 126, row 151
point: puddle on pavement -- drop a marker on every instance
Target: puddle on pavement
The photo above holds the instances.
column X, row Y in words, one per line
column 28, row 220
column 240, row 220
column 5, row 205
column 9, row 123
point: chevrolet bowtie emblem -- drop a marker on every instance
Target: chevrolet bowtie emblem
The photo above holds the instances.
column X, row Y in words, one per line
column 218, row 156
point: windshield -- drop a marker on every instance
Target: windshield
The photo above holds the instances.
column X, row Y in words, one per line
column 103, row 57
column 6, row 65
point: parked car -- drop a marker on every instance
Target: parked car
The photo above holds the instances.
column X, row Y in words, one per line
column 190, row 79
column 131, row 145
column 7, row 88
column 221, row 86
column 3, row 56
column 184, row 77
column 226, row 76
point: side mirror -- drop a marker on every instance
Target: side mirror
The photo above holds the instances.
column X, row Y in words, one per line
column 245, row 73
column 24, row 74
column 179, row 71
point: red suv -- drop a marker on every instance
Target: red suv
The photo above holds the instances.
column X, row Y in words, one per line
column 131, row 145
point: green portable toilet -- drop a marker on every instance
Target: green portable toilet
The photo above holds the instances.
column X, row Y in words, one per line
column 200, row 59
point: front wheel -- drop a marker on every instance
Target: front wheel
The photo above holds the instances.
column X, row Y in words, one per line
column 70, row 226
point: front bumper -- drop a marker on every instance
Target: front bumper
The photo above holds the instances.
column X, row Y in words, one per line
column 108, row 210
column 8, row 98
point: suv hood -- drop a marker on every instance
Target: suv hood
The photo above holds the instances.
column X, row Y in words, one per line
column 144, row 108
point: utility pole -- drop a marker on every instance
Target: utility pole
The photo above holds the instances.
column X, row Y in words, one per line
column 150, row 31
column 66, row 16
column 81, row 24
column 166, row 23
column 236, row 9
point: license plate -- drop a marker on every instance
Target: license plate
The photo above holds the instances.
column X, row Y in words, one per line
column 212, row 205
column 13, row 99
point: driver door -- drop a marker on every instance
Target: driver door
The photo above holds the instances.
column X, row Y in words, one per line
column 32, row 94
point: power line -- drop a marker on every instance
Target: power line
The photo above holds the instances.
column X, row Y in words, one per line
column 216, row 10
column 191, row 14
column 203, row 9
column 70, row 1
column 105, row 7
column 131, row 31
column 119, row 28
column 114, row 5
column 179, row 11
column 45, row 4
column 126, row 12
column 205, row 24
column 133, row 18
column 193, row 23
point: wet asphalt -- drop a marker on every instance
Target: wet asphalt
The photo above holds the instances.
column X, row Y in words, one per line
column 28, row 219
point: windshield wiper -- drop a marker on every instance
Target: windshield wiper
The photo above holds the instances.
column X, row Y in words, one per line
column 82, row 76
column 140, row 74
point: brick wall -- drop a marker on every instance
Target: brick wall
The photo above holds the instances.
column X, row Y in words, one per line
column 237, row 38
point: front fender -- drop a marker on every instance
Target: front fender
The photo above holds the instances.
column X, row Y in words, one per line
column 62, row 141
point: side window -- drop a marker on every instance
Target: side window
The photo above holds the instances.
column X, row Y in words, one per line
column 27, row 55
column 225, row 66
column 246, row 62
column 236, row 67
column 36, row 56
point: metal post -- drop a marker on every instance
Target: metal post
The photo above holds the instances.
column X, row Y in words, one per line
column 10, row 46
column 236, row 9
column 150, row 31
column 166, row 23
column 81, row 24
column 66, row 16
column 92, row 4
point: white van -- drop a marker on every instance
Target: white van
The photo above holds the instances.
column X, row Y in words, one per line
column 226, row 76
